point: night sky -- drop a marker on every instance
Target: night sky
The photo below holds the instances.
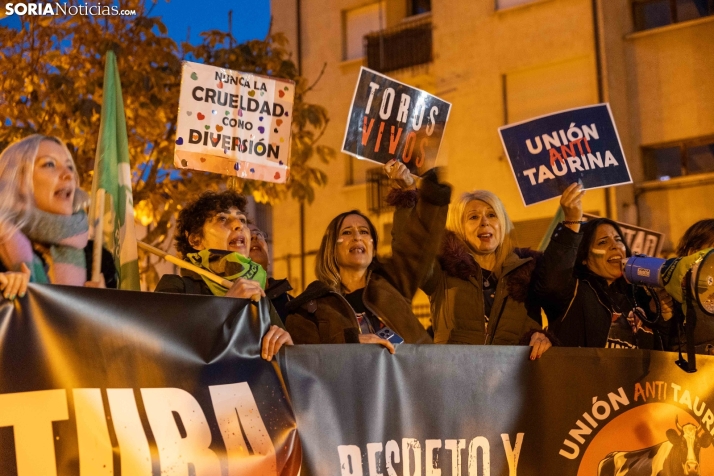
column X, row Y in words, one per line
column 250, row 18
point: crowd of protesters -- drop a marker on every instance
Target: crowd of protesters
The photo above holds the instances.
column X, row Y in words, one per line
column 483, row 290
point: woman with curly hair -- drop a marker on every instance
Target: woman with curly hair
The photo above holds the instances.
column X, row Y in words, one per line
column 212, row 232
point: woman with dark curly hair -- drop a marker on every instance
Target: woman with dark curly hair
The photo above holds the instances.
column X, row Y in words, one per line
column 212, row 233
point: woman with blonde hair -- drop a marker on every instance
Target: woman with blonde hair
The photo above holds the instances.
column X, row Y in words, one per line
column 43, row 228
column 358, row 297
column 479, row 287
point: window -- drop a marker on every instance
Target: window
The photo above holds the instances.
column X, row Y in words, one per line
column 503, row 4
column 417, row 7
column 676, row 160
column 359, row 22
column 649, row 14
column 404, row 45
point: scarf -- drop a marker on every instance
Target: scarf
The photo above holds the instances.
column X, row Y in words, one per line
column 60, row 239
column 228, row 265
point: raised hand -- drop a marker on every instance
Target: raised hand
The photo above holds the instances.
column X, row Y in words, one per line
column 572, row 204
column 399, row 175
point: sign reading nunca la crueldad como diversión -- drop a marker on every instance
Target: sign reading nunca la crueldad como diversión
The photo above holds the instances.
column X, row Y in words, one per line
column 234, row 123
column 550, row 152
column 391, row 120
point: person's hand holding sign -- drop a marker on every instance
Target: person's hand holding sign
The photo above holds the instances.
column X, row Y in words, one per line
column 14, row 284
column 399, row 175
column 572, row 204
column 539, row 344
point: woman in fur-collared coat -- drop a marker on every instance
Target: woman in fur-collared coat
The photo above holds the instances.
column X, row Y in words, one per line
column 480, row 285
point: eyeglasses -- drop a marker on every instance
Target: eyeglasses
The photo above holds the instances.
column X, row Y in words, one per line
column 260, row 234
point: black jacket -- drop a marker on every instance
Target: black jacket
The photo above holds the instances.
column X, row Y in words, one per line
column 191, row 283
column 580, row 305
column 322, row 316
column 703, row 332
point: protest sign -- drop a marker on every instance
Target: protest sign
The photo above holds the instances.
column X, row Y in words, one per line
column 639, row 240
column 234, row 123
column 391, row 120
column 550, row 152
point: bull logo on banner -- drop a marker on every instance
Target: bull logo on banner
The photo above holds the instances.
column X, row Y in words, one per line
column 679, row 456
column 654, row 439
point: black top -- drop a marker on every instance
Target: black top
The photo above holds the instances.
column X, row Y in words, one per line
column 109, row 271
column 489, row 292
column 368, row 322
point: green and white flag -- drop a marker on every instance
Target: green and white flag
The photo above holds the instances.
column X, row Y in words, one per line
column 112, row 173
column 559, row 216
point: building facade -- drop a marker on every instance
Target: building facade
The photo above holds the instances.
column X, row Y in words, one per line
column 503, row 61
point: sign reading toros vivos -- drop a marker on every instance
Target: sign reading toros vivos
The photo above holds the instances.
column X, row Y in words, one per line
column 391, row 120
column 234, row 123
column 550, row 152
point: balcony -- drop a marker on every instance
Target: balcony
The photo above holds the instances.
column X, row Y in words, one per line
column 403, row 46
column 377, row 190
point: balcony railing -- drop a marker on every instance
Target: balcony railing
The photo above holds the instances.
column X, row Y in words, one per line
column 377, row 191
column 402, row 46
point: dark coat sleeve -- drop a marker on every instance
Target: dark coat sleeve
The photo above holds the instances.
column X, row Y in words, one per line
column 554, row 279
column 417, row 232
column 171, row 283
column 303, row 328
column 108, row 269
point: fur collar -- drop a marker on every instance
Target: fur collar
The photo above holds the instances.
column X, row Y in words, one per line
column 456, row 260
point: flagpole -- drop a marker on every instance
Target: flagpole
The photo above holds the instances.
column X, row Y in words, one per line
column 98, row 208
column 191, row 267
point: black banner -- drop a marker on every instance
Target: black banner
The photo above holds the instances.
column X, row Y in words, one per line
column 488, row 410
column 101, row 382
column 392, row 120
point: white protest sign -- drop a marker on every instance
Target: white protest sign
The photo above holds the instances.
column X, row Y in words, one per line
column 234, row 123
